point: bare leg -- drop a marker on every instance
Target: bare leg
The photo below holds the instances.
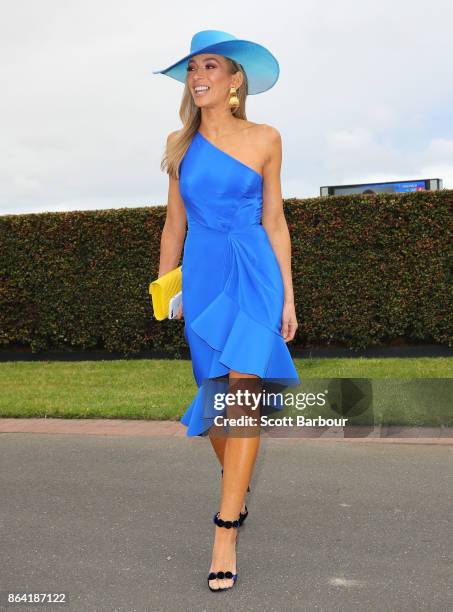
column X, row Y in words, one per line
column 219, row 444
column 239, row 456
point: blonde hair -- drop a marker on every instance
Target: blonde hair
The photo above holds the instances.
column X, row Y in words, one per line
column 190, row 116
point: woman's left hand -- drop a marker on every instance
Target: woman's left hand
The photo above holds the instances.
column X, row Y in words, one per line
column 289, row 321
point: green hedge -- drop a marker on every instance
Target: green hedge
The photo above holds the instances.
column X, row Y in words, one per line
column 367, row 269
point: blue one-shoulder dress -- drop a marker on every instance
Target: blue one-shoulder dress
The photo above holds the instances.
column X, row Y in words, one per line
column 232, row 288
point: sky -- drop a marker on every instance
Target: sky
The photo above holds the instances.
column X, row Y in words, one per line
column 365, row 94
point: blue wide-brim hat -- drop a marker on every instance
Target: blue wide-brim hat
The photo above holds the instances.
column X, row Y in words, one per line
column 260, row 66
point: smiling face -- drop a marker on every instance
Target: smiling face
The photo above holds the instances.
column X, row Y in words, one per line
column 209, row 79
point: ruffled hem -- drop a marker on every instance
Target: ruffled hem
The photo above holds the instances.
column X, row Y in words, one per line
column 201, row 413
column 240, row 343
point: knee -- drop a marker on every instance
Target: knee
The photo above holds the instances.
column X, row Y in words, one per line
column 236, row 374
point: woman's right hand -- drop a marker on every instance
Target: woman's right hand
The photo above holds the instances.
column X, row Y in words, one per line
column 179, row 314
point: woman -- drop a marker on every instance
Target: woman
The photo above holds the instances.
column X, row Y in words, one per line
column 238, row 303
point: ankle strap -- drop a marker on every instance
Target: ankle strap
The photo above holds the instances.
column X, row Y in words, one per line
column 227, row 524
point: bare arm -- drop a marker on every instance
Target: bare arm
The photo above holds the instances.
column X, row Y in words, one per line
column 174, row 229
column 276, row 227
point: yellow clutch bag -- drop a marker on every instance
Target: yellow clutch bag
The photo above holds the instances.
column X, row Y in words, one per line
column 163, row 289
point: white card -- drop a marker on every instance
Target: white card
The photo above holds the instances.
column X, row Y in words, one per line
column 173, row 305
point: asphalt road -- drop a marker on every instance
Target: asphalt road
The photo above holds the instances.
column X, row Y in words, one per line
column 123, row 523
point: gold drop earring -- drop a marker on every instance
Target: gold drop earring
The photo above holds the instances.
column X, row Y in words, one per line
column 234, row 100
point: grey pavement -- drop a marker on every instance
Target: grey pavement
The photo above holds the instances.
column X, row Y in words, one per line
column 124, row 523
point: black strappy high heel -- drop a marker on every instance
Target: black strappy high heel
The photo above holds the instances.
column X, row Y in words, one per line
column 221, row 575
column 242, row 515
